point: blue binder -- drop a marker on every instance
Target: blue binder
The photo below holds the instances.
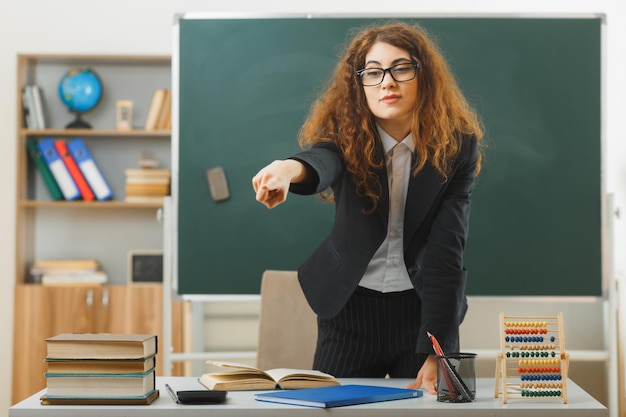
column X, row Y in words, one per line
column 59, row 170
column 90, row 170
column 338, row 396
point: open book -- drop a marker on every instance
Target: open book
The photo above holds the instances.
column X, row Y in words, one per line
column 237, row 377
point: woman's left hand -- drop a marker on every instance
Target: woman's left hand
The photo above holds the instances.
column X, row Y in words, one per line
column 427, row 376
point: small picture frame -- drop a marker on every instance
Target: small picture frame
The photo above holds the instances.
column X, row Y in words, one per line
column 145, row 266
column 124, row 115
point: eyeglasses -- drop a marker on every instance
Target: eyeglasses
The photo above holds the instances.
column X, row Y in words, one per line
column 401, row 72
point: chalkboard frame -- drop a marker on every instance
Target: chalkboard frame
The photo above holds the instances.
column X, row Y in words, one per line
column 516, row 287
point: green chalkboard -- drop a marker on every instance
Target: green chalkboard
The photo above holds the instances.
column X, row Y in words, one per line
column 246, row 84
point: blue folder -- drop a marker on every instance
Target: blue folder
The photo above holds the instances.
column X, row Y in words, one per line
column 338, row 396
column 90, row 170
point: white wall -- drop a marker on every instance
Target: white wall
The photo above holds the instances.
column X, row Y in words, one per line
column 144, row 26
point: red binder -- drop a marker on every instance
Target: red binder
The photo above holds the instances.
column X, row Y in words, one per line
column 75, row 172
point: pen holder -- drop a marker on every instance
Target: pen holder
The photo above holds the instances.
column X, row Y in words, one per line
column 456, row 378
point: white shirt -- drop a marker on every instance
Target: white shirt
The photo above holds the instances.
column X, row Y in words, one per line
column 386, row 271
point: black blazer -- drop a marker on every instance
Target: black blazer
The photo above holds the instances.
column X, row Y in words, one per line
column 435, row 230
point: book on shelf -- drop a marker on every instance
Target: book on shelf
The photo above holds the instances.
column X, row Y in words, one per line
column 165, row 112
column 68, row 271
column 338, row 396
column 74, row 278
column 65, row 264
column 156, row 104
column 90, row 169
column 100, row 366
column 97, row 400
column 101, row 346
column 74, row 170
column 32, row 103
column 147, row 189
column 102, row 385
column 28, row 104
column 239, row 377
column 38, row 101
column 147, row 173
column 43, row 169
column 162, row 180
column 144, row 199
column 59, row 170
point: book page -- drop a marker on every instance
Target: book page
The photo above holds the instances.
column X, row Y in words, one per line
column 237, row 381
column 301, row 378
column 242, row 376
column 237, row 368
column 282, row 374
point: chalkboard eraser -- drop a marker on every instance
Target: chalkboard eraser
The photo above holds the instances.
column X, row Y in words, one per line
column 217, row 184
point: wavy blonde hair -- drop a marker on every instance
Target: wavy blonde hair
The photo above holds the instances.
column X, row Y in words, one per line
column 441, row 118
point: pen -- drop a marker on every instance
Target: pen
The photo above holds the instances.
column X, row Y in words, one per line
column 172, row 394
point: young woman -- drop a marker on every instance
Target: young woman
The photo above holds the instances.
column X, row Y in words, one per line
column 393, row 142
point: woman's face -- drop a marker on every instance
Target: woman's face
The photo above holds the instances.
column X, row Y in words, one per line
column 391, row 101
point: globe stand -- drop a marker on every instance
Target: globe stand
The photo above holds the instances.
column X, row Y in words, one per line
column 78, row 123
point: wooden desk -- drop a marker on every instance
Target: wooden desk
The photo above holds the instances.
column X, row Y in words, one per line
column 242, row 403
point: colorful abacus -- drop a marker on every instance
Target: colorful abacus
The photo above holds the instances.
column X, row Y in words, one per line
column 533, row 362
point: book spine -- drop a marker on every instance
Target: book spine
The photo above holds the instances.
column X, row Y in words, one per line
column 155, row 109
column 29, row 109
column 165, row 110
column 73, row 169
column 38, row 102
column 90, row 169
column 147, row 189
column 48, row 179
column 95, row 277
column 58, row 169
column 149, row 372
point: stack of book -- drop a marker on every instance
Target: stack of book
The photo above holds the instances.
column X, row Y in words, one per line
column 100, row 369
column 144, row 185
column 68, row 170
column 68, row 271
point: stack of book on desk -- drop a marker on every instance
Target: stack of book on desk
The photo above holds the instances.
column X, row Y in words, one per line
column 145, row 185
column 100, row 369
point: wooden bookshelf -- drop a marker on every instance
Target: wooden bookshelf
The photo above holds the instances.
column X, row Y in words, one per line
column 124, row 77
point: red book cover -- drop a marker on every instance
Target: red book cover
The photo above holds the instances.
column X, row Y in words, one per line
column 75, row 172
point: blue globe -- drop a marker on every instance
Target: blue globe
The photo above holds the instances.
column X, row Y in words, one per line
column 80, row 90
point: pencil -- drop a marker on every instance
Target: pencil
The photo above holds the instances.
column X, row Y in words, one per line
column 436, row 345
column 455, row 384
column 443, row 364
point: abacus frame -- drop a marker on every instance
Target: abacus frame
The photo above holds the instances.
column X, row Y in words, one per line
column 511, row 367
